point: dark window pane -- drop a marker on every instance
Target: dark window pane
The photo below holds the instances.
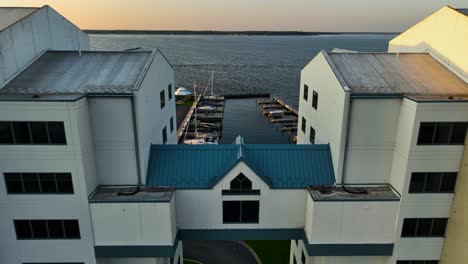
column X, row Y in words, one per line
column 417, row 182
column 23, row 229
column 439, row 226
column 433, row 182
column 164, row 135
column 426, row 132
column 303, row 126
column 312, row 135
column 21, row 130
column 403, row 262
column 47, row 181
column 236, row 184
column 418, row 262
column 306, row 92
column 250, row 210
column 30, row 182
column 448, row 182
column 409, row 227
column 443, row 133
column 55, row 228
column 246, row 184
column 5, row 133
column 13, row 182
column 231, row 211
column 315, row 100
column 171, row 124
column 39, row 132
column 39, row 228
column 72, row 230
column 64, row 183
column 162, row 98
column 432, row 262
column 169, row 91
column 459, row 133
column 424, row 227
column 57, row 133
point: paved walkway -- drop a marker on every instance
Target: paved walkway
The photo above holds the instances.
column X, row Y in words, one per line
column 216, row 252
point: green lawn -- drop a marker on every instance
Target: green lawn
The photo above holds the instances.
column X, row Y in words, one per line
column 271, row 251
column 187, row 261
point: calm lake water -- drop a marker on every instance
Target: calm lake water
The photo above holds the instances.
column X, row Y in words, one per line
column 244, row 64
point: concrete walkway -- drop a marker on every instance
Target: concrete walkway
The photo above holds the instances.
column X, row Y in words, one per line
column 215, row 252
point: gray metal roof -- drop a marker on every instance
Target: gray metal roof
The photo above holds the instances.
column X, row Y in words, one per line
column 392, row 74
column 11, row 15
column 113, row 194
column 68, row 72
column 463, row 11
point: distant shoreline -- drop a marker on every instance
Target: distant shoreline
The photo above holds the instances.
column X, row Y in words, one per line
column 243, row 33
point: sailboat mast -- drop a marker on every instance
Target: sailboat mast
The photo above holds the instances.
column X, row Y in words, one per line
column 212, row 80
column 196, row 105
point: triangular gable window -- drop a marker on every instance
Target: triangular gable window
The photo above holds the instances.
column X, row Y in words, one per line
column 241, row 183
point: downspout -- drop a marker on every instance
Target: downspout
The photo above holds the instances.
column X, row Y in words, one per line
column 137, row 149
column 345, row 158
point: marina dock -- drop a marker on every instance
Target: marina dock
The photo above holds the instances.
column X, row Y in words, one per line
column 280, row 113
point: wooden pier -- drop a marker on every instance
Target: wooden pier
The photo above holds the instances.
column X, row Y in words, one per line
column 208, row 113
column 280, row 113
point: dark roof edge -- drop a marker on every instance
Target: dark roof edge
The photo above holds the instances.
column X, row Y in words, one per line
column 458, row 10
column 335, row 70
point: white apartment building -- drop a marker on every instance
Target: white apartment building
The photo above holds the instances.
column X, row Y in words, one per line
column 398, row 118
column 70, row 121
column 80, row 130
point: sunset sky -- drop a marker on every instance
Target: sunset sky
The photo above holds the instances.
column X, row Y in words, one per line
column 300, row 15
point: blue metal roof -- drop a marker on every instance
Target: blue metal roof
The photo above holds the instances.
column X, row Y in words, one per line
column 202, row 166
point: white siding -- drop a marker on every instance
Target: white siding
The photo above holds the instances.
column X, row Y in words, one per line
column 202, row 209
column 111, row 121
column 46, row 158
column 353, row 222
column 329, row 120
column 151, row 119
column 371, row 140
column 132, row 223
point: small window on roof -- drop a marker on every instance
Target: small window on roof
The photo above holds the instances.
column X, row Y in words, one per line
column 241, row 183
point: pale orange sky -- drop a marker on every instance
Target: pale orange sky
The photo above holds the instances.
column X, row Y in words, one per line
column 300, row 15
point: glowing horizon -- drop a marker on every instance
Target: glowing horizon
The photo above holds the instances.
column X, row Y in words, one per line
column 240, row 15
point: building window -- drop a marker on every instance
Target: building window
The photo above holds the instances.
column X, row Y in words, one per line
column 442, row 133
column 53, row 263
column 241, row 183
column 303, row 125
column 417, row 262
column 314, row 99
column 47, row 229
column 171, row 123
column 162, row 98
column 312, row 135
column 424, row 227
column 306, row 92
column 433, row 182
column 169, row 91
column 303, row 258
column 164, row 135
column 38, row 183
column 240, row 211
column 37, row 133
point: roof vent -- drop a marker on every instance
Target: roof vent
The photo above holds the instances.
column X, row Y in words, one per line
column 35, row 96
column 324, row 190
